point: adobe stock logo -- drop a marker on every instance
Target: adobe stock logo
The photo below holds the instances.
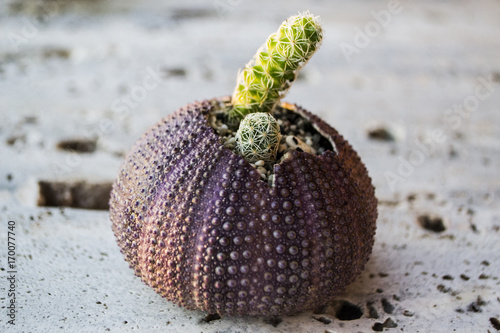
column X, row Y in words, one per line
column 150, row 81
column 121, row 107
column 29, row 29
column 372, row 29
column 453, row 118
column 225, row 7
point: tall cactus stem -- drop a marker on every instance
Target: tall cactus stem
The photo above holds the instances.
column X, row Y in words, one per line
column 265, row 80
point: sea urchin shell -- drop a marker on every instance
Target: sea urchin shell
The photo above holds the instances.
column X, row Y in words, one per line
column 198, row 225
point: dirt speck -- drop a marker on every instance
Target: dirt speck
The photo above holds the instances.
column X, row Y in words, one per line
column 387, row 306
column 60, row 53
column 443, row 289
column 78, row 145
column 274, row 321
column 381, row 134
column 372, row 312
column 435, row 224
column 408, row 313
column 495, row 323
column 210, row 317
column 76, row 195
column 389, row 323
column 173, row 72
column 348, row 311
column 476, row 305
column 323, row 320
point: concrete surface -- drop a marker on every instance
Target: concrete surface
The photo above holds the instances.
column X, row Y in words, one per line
column 413, row 85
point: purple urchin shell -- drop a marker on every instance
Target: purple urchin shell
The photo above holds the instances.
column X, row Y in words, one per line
column 196, row 222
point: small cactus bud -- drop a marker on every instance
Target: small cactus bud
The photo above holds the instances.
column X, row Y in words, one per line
column 258, row 137
column 265, row 80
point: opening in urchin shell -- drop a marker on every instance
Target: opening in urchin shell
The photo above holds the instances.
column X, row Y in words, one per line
column 297, row 134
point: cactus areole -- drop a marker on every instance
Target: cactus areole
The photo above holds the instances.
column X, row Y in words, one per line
column 212, row 228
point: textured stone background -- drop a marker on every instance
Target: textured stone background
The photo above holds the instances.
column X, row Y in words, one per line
column 73, row 99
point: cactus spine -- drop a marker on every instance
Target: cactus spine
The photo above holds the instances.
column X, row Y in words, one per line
column 264, row 81
column 258, row 137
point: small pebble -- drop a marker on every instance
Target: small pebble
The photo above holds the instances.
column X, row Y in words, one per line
column 222, row 129
column 294, row 138
column 285, row 156
column 292, row 141
column 230, row 143
column 297, row 144
column 259, row 163
column 270, row 180
column 316, row 138
column 408, row 313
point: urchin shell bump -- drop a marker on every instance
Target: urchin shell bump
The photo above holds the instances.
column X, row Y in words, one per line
column 196, row 222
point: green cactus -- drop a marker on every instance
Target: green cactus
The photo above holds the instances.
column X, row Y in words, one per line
column 258, row 137
column 265, row 80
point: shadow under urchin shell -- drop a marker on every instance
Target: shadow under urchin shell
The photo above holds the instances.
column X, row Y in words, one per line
column 197, row 224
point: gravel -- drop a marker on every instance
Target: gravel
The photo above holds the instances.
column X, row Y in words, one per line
column 297, row 134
